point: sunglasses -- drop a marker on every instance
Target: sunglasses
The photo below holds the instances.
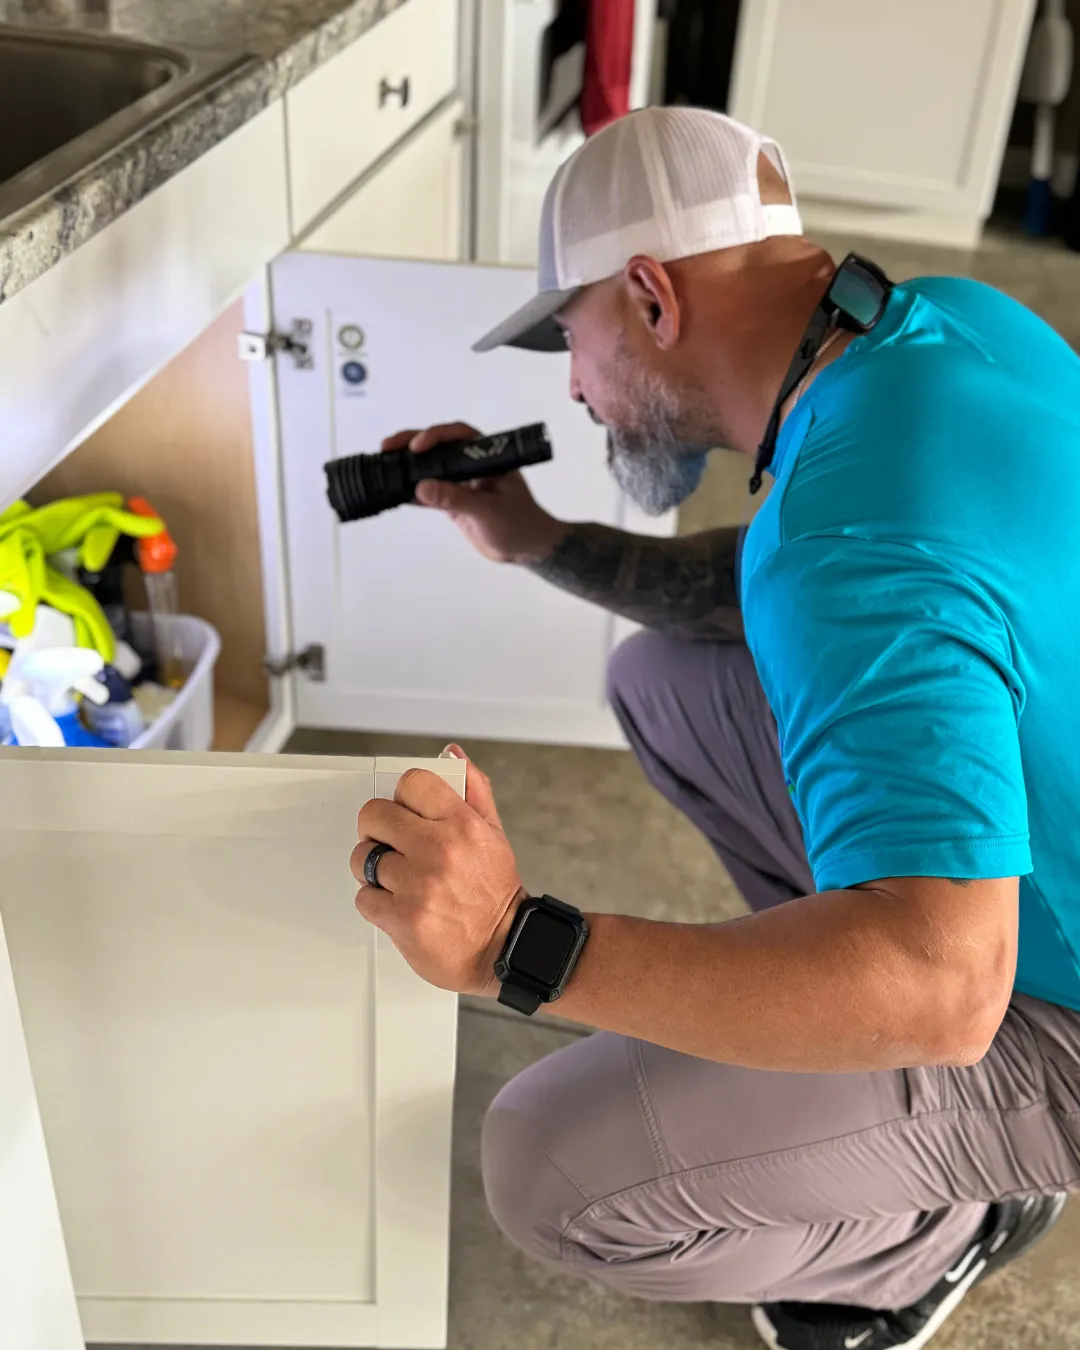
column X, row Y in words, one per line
column 858, row 293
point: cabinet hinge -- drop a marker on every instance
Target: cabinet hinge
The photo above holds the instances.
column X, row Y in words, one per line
column 466, row 126
column 310, row 662
column 296, row 343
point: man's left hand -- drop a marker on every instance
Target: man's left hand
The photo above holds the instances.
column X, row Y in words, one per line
column 448, row 893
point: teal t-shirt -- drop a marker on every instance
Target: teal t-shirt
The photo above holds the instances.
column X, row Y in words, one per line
column 911, row 591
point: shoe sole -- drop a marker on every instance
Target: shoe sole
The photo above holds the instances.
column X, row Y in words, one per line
column 1049, row 1221
column 944, row 1309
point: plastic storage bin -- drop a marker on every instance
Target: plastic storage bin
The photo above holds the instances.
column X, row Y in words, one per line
column 188, row 723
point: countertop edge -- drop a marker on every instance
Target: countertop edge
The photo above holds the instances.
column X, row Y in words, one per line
column 40, row 237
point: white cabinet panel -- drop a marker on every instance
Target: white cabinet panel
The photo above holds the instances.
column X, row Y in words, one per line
column 246, row 1096
column 349, row 112
column 85, row 335
column 37, row 1300
column 412, row 208
column 899, row 103
column 421, row 633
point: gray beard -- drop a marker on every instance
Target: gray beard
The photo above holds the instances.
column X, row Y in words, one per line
column 658, row 477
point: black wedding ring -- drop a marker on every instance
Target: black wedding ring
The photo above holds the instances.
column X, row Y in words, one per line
column 371, row 864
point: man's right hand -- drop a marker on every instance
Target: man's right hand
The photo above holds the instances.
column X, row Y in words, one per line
column 499, row 516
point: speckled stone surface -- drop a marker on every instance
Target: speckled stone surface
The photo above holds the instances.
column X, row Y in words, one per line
column 288, row 38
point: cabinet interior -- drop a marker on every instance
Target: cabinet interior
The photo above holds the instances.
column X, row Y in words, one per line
column 183, row 441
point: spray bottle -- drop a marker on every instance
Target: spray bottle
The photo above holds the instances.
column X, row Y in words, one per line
column 156, row 557
column 38, row 691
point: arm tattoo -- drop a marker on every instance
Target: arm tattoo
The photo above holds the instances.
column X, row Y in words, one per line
column 684, row 586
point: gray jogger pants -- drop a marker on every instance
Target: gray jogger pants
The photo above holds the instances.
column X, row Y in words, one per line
column 671, row 1178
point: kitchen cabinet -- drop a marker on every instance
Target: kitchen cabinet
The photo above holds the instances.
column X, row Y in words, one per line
column 245, row 1092
column 226, row 1100
column 415, row 632
column 896, row 110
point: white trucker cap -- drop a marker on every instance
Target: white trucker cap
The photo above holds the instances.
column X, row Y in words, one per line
column 665, row 182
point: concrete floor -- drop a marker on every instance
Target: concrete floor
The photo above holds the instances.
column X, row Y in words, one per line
column 586, row 825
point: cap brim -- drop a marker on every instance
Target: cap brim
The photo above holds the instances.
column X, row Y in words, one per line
column 532, row 327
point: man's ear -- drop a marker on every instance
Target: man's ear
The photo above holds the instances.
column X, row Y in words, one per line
column 652, row 298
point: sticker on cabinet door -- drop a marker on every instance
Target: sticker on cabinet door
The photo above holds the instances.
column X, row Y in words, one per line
column 354, row 373
column 351, row 337
column 352, row 370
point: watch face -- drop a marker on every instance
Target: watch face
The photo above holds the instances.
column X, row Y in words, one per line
column 543, row 947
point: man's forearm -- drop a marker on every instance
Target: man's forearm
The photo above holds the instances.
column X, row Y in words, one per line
column 827, row 983
column 684, row 586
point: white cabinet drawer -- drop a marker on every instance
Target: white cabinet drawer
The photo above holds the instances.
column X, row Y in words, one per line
column 352, row 110
column 409, row 208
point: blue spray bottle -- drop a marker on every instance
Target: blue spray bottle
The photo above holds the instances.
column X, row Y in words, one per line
column 39, row 690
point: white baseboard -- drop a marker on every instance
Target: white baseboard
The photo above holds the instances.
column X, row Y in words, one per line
column 915, row 227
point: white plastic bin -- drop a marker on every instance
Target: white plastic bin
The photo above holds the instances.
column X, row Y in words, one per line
column 188, row 722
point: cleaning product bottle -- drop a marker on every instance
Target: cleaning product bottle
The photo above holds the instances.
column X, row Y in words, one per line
column 156, row 556
column 38, row 690
column 119, row 720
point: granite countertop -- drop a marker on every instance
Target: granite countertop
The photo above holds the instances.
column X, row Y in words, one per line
column 288, row 38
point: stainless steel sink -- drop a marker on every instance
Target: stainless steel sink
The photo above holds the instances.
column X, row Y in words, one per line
column 68, row 100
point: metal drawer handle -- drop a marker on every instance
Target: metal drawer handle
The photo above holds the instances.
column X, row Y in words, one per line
column 388, row 91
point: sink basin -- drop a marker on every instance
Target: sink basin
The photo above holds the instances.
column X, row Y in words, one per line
column 67, row 100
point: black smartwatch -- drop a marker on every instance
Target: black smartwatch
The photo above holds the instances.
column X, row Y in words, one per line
column 540, row 954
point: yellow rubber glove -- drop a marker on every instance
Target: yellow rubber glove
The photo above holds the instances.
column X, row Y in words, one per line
column 92, row 524
column 25, row 574
column 29, row 535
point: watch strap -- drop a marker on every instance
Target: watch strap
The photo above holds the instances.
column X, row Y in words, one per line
column 560, row 906
column 520, row 999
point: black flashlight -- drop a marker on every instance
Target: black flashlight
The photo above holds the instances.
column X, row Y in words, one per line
column 363, row 485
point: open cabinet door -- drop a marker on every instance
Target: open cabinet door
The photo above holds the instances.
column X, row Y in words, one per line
column 245, row 1092
column 420, row 633
column 37, row 1299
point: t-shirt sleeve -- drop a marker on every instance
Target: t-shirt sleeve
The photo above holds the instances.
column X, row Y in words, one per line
column 894, row 683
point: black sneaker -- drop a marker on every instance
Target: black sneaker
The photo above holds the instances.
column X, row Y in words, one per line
column 1012, row 1228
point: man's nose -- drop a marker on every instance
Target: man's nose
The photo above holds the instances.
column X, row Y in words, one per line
column 575, row 385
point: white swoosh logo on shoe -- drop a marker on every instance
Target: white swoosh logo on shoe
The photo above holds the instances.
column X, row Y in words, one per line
column 958, row 1270
column 850, row 1342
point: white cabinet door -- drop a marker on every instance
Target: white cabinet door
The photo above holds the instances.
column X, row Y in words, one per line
column 419, row 632
column 896, row 103
column 411, row 208
column 37, row 1299
column 245, row 1092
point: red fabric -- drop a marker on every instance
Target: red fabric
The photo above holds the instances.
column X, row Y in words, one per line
column 609, row 49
